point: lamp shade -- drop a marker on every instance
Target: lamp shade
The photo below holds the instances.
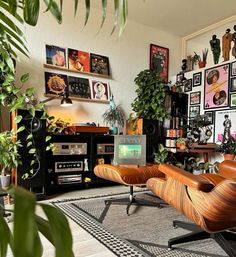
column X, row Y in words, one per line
column 66, row 101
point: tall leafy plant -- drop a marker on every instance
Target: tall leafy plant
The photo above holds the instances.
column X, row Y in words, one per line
column 151, row 93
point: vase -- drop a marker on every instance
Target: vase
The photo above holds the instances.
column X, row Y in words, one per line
column 228, row 156
column 5, row 181
column 201, row 64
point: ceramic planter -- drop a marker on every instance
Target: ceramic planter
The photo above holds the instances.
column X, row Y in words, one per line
column 5, row 181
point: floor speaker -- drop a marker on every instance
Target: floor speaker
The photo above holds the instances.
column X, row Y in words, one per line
column 36, row 181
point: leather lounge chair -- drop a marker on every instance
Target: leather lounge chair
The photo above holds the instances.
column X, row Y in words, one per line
column 208, row 200
column 129, row 176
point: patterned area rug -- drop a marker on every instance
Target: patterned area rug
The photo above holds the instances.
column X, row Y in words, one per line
column 144, row 233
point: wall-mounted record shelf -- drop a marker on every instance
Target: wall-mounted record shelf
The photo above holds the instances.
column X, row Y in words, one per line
column 53, row 67
column 81, row 99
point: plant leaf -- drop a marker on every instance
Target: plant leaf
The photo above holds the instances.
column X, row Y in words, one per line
column 87, row 5
column 21, row 128
column 31, row 11
column 18, row 118
column 24, row 78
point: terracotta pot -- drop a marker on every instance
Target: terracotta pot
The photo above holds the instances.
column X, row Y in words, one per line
column 228, row 156
column 201, row 64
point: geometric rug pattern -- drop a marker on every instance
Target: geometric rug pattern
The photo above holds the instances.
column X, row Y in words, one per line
column 142, row 234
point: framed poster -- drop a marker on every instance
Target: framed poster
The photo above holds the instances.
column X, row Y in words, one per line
column 233, row 100
column 195, row 98
column 56, row 55
column 197, row 79
column 233, row 84
column 210, row 116
column 216, row 88
column 99, row 64
column 100, row 90
column 224, row 125
column 79, row 87
column 55, row 83
column 78, row 60
column 187, row 85
column 233, row 69
column 159, row 60
column 194, row 110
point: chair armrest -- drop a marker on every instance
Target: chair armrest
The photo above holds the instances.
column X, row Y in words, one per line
column 227, row 169
column 187, row 178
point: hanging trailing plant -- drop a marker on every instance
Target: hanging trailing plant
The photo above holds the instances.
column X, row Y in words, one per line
column 151, row 93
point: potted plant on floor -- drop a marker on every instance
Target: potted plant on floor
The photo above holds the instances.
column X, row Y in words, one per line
column 228, row 148
column 9, row 157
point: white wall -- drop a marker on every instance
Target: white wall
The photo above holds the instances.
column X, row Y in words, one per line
column 127, row 55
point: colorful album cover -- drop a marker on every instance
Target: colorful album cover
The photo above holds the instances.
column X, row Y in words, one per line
column 100, row 90
column 55, row 83
column 78, row 60
column 79, row 87
column 56, row 56
column 99, row 64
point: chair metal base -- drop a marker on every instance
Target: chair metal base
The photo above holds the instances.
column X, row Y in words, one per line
column 222, row 238
column 131, row 201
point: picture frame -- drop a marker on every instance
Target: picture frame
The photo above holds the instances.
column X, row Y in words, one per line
column 78, row 60
column 79, row 87
column 159, row 60
column 56, row 56
column 195, row 98
column 187, row 85
column 221, row 127
column 100, row 90
column 233, row 100
column 216, row 87
column 55, row 83
column 233, row 84
column 233, row 69
column 179, row 77
column 99, row 64
column 197, row 79
column 211, row 116
column 194, row 110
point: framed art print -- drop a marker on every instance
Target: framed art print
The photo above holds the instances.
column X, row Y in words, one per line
column 99, row 64
column 55, row 83
column 79, row 87
column 216, row 87
column 210, row 116
column 233, row 84
column 100, row 90
column 195, row 98
column 224, row 125
column 197, row 79
column 233, row 100
column 233, row 69
column 187, row 85
column 194, row 110
column 179, row 77
column 159, row 60
column 56, row 55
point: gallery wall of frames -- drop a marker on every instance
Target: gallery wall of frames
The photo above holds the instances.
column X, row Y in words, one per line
column 75, row 63
column 212, row 91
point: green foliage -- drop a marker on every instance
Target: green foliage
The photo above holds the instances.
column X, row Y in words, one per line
column 228, row 147
column 24, row 239
column 162, row 155
column 114, row 116
column 151, row 93
column 9, row 157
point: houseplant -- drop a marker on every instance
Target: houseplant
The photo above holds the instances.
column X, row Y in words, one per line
column 228, row 148
column 181, row 143
column 162, row 155
column 201, row 61
column 9, row 157
column 114, row 116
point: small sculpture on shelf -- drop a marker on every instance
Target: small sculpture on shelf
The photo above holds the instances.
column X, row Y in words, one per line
column 226, row 44
column 197, row 58
column 234, row 40
column 215, row 48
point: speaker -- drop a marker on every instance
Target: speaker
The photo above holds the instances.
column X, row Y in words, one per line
column 36, row 180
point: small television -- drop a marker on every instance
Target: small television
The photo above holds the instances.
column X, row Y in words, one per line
column 130, row 149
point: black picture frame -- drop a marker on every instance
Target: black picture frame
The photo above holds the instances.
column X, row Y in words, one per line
column 194, row 110
column 197, row 79
column 179, row 77
column 99, row 64
column 211, row 116
column 195, row 98
column 233, row 84
column 232, row 100
column 233, row 69
column 188, row 85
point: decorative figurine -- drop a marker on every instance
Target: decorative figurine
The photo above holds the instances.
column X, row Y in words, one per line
column 215, row 48
column 184, row 65
column 226, row 44
column 234, row 40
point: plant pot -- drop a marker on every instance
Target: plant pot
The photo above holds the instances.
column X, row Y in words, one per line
column 5, row 181
column 113, row 130
column 228, row 156
column 180, row 146
column 201, row 64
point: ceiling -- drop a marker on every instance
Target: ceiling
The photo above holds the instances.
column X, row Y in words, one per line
column 178, row 17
